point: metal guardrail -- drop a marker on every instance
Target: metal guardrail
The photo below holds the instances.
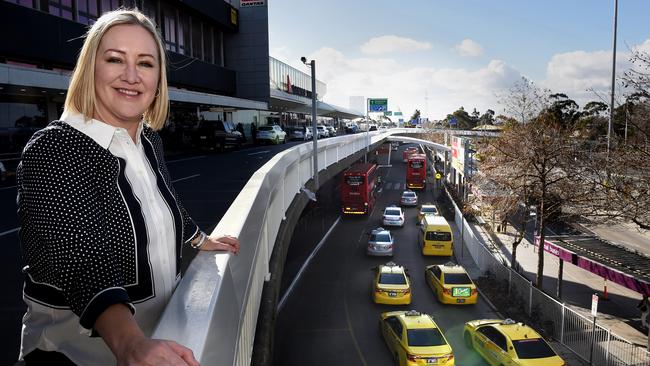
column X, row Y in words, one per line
column 214, row 309
column 567, row 326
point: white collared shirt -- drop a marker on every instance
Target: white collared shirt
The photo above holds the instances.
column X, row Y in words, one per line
column 58, row 329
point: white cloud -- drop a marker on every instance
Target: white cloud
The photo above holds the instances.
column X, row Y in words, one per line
column 392, row 44
column 581, row 74
column 447, row 88
column 469, row 48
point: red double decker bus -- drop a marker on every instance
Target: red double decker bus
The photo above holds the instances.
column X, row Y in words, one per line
column 408, row 152
column 358, row 189
column 416, row 171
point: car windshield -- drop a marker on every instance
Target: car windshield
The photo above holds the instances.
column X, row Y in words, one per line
column 438, row 235
column 266, row 128
column 381, row 237
column 533, row 348
column 392, row 213
column 429, row 210
column 426, row 337
column 392, row 279
column 457, row 279
column 408, row 194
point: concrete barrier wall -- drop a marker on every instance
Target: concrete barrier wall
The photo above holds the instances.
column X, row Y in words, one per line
column 214, row 309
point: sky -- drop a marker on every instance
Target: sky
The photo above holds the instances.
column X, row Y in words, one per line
column 439, row 55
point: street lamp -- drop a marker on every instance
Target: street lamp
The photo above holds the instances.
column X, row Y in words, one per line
column 312, row 64
column 611, row 106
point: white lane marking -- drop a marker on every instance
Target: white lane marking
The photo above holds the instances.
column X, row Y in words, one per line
column 305, row 265
column 185, row 178
column 185, row 159
column 5, row 188
column 259, row 152
column 9, row 231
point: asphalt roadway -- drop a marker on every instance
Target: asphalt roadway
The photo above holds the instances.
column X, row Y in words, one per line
column 330, row 318
column 207, row 183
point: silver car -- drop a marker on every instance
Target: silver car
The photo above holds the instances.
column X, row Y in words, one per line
column 380, row 243
column 409, row 198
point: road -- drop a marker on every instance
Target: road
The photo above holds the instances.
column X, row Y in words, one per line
column 207, row 184
column 330, row 318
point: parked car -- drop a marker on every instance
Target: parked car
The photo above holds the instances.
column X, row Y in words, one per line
column 217, row 134
column 273, row 134
column 299, row 133
column 351, row 128
column 322, row 132
column 380, row 242
column 331, row 130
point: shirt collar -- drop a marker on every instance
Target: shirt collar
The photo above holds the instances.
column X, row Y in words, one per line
column 102, row 133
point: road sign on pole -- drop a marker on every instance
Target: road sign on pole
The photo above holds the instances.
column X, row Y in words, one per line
column 594, row 305
column 378, row 105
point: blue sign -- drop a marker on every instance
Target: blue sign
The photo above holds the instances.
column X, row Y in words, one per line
column 453, row 121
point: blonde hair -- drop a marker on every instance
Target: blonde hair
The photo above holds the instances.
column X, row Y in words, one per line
column 81, row 96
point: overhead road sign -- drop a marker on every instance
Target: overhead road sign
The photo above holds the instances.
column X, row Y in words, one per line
column 397, row 114
column 388, row 113
column 377, row 105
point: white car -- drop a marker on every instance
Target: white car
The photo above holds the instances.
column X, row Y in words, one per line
column 393, row 216
column 273, row 134
column 322, row 132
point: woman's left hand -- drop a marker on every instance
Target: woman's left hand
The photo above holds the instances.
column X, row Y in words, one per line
column 227, row 243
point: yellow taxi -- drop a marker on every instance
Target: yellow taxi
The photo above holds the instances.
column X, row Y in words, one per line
column 451, row 284
column 415, row 339
column 506, row 342
column 427, row 209
column 392, row 285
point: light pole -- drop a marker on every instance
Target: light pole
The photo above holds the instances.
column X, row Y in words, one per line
column 312, row 65
column 367, row 131
column 611, row 106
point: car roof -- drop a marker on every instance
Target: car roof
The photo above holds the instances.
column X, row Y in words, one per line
column 428, row 205
column 393, row 207
column 516, row 331
column 435, row 220
column 416, row 320
column 380, row 230
column 450, row 267
column 391, row 267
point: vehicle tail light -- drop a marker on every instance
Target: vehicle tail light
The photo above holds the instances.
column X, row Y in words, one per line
column 407, row 291
column 474, row 291
column 378, row 290
column 384, row 217
column 446, row 291
column 412, row 357
column 450, row 357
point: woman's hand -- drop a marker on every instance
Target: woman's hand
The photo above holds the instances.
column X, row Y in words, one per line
column 145, row 351
column 227, row 243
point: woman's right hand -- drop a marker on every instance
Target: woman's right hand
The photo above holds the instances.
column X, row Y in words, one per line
column 145, row 351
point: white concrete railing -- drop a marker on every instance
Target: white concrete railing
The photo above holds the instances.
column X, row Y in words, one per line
column 214, row 308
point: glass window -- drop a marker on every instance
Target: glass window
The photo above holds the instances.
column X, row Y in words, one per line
column 183, row 34
column 108, row 5
column 383, row 237
column 217, row 46
column 438, row 236
column 457, row 279
column 197, row 40
column 27, row 3
column 427, row 337
column 436, row 272
column 395, row 325
column 169, row 28
column 532, row 348
column 392, row 213
column 22, row 112
column 148, row 8
column 61, row 8
column 88, row 11
column 207, row 44
column 392, row 279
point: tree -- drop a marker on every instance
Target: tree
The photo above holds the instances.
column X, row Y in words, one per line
column 524, row 100
column 487, row 118
column 415, row 115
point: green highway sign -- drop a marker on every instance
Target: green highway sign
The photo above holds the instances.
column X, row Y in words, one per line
column 397, row 113
column 377, row 105
column 388, row 113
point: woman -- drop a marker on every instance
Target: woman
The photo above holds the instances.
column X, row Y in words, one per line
column 102, row 228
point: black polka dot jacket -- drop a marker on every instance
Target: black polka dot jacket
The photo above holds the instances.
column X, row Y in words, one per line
column 83, row 235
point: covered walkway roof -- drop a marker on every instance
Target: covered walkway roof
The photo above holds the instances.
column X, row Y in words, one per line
column 285, row 102
column 612, row 262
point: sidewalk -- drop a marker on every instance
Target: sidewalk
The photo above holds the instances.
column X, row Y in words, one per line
column 617, row 313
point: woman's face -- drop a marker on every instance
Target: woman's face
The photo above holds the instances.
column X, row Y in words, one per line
column 127, row 70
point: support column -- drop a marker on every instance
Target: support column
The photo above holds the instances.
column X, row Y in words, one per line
column 560, row 272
